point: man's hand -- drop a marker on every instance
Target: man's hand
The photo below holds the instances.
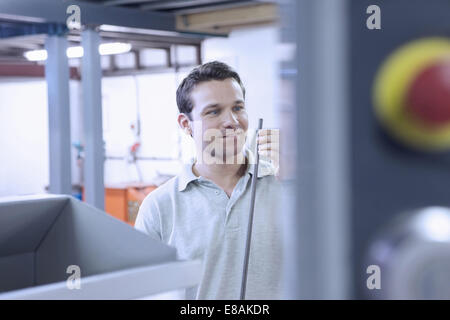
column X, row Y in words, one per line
column 268, row 141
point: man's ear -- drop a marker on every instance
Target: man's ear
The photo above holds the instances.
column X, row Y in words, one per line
column 185, row 123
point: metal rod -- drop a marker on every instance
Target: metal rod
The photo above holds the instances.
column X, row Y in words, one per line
column 250, row 221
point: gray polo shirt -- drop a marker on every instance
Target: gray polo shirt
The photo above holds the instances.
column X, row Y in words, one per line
column 196, row 217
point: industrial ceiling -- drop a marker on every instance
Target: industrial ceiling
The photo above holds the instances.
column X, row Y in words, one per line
column 25, row 24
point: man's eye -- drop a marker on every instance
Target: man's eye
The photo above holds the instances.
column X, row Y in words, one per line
column 212, row 112
column 238, row 108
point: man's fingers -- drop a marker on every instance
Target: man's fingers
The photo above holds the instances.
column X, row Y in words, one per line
column 268, row 146
column 268, row 141
column 264, row 132
column 265, row 153
column 272, row 156
column 264, row 138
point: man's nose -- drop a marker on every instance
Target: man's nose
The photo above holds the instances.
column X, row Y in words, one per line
column 230, row 121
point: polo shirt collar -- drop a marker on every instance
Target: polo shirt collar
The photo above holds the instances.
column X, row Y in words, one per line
column 186, row 175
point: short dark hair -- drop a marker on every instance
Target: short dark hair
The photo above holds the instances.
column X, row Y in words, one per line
column 214, row 70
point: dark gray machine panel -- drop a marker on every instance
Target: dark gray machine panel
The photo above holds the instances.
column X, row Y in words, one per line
column 388, row 178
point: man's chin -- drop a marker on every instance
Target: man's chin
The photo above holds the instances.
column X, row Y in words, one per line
column 234, row 156
column 229, row 157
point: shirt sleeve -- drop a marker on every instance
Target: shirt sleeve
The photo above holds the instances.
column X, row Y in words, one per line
column 148, row 218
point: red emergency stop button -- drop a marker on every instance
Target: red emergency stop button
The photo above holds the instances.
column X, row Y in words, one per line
column 411, row 94
column 428, row 97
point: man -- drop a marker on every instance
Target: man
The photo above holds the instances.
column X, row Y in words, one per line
column 203, row 212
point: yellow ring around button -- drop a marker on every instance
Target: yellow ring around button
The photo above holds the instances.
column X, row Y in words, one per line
column 391, row 85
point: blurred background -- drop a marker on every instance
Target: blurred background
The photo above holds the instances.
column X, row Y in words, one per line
column 141, row 139
column 360, row 91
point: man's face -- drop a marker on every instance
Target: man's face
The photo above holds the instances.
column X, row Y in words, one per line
column 220, row 120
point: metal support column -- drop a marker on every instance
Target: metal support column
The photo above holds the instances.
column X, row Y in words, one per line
column 318, row 214
column 92, row 108
column 57, row 76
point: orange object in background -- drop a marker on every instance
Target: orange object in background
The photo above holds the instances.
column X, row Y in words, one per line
column 122, row 201
column 135, row 196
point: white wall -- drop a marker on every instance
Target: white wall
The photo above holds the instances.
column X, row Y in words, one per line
column 24, row 117
column 24, row 135
column 154, row 96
